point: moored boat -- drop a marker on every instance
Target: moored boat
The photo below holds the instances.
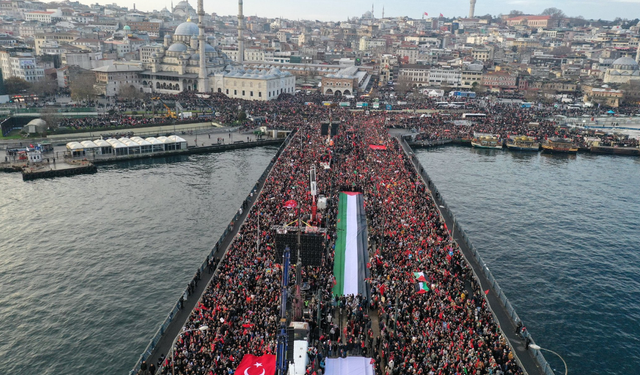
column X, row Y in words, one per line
column 484, row 140
column 522, row 143
column 559, row 145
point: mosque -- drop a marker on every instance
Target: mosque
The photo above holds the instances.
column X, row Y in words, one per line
column 186, row 61
column 622, row 70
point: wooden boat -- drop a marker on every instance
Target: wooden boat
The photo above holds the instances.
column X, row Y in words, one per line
column 483, row 140
column 523, row 143
column 560, row 146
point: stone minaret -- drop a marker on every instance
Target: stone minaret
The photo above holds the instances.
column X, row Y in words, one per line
column 240, row 33
column 638, row 53
column 472, row 8
column 203, row 82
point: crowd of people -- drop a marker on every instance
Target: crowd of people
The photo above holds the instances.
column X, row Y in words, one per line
column 502, row 118
column 448, row 330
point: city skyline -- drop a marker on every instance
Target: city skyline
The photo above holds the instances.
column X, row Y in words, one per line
column 309, row 10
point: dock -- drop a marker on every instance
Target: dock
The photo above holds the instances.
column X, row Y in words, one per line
column 61, row 169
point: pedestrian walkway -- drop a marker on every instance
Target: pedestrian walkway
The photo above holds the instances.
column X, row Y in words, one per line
column 525, row 357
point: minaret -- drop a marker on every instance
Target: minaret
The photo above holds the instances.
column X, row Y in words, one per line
column 203, row 82
column 383, row 12
column 472, row 8
column 372, row 16
column 638, row 53
column 240, row 33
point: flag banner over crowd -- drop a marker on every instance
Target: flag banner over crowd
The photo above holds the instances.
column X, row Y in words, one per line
column 252, row 365
column 350, row 261
column 349, row 365
column 421, row 287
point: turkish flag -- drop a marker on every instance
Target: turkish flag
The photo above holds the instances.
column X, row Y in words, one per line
column 252, row 365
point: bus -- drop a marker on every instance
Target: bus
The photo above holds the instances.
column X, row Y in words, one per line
column 474, row 115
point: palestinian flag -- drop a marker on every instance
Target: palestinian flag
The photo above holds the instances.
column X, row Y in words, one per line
column 422, row 287
column 350, row 260
column 419, row 276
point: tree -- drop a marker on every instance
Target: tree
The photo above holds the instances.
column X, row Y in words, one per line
column 46, row 86
column 515, row 13
column 555, row 13
column 82, row 86
column 49, row 116
column 15, row 85
column 129, row 93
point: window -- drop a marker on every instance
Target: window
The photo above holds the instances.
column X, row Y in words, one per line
column 251, row 93
column 235, row 92
column 227, row 91
column 260, row 94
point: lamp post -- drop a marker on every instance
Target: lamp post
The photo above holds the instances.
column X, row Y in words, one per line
column 173, row 344
column 537, row 347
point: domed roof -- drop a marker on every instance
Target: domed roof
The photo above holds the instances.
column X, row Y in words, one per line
column 177, row 47
column 208, row 48
column 183, row 5
column 186, row 28
column 625, row 63
column 127, row 28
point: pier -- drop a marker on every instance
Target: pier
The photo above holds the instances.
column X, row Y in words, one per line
column 364, row 159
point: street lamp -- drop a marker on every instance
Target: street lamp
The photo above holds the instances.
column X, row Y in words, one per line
column 537, row 347
column 173, row 344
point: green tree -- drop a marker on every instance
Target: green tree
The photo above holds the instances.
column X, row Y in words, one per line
column 516, row 13
column 15, row 85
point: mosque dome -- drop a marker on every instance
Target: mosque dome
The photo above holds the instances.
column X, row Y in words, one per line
column 183, row 5
column 177, row 47
column 126, row 28
column 625, row 63
column 187, row 29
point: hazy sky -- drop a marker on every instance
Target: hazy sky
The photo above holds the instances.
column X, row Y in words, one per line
column 341, row 9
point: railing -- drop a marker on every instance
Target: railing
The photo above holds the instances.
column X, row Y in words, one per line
column 457, row 229
column 169, row 319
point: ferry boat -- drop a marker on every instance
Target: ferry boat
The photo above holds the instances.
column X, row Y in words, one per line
column 484, row 140
column 614, row 149
column 559, row 145
column 522, row 143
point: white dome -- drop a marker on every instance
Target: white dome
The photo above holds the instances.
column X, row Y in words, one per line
column 626, row 63
column 186, row 28
column 177, row 47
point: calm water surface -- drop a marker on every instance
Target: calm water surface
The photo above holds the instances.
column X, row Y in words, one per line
column 90, row 265
column 561, row 234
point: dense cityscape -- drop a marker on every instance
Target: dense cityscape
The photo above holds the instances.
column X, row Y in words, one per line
column 347, row 103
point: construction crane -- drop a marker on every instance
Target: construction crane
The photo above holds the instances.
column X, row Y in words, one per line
column 170, row 113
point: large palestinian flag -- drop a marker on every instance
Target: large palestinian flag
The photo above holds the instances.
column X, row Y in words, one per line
column 350, row 260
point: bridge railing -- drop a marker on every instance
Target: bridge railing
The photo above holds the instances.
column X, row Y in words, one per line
column 457, row 229
column 178, row 305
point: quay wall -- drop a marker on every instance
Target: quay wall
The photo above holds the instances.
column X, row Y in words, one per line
column 179, row 313
column 484, row 277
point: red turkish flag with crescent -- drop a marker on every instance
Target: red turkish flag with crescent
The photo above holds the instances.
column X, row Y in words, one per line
column 252, row 365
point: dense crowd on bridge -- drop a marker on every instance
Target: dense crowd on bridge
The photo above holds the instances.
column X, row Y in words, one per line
column 502, row 118
column 448, row 330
